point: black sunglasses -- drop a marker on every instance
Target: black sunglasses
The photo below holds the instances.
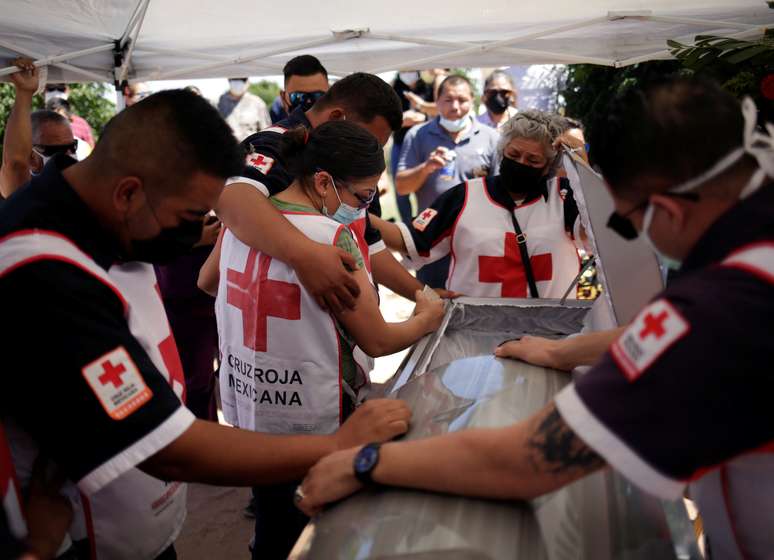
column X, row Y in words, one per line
column 50, row 150
column 622, row 224
column 496, row 91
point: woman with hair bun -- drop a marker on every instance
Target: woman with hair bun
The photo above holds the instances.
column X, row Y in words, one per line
column 287, row 365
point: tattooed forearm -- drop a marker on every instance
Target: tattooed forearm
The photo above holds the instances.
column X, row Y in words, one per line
column 558, row 448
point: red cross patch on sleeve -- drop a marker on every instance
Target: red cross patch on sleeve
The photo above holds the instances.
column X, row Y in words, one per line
column 117, row 383
column 653, row 332
column 260, row 162
column 424, row 219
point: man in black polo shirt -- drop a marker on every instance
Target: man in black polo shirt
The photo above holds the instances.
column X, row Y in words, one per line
column 93, row 377
column 683, row 397
column 243, row 207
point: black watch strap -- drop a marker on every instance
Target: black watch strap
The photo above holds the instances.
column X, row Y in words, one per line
column 365, row 463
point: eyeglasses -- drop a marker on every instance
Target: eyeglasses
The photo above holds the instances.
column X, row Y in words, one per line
column 622, row 224
column 364, row 201
column 50, row 150
column 505, row 92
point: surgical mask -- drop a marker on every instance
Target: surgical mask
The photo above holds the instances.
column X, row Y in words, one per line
column 666, row 260
column 522, row 179
column 237, row 87
column 344, row 214
column 408, row 78
column 454, row 126
column 498, row 102
column 54, row 94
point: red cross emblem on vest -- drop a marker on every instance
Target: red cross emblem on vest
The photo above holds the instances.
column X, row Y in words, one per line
column 111, row 374
column 654, row 325
column 508, row 270
column 259, row 298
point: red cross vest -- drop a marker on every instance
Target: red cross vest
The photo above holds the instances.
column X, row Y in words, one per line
column 486, row 261
column 281, row 366
column 135, row 516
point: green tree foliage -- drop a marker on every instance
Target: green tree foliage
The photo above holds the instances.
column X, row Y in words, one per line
column 741, row 67
column 86, row 100
column 266, row 90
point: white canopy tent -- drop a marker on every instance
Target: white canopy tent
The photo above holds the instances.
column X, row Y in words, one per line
column 138, row 40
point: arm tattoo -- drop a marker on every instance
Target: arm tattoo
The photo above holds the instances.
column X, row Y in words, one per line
column 559, row 448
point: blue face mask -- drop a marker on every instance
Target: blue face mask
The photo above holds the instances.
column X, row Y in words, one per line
column 344, row 214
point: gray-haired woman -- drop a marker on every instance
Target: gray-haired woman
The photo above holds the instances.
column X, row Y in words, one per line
column 516, row 235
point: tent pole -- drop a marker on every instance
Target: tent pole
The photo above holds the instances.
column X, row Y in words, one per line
column 703, row 22
column 52, row 59
column 130, row 24
column 243, row 59
column 496, row 45
column 135, row 34
column 39, row 58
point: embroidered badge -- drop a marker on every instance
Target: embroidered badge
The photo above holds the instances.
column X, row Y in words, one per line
column 117, row 383
column 424, row 219
column 653, row 332
column 260, row 162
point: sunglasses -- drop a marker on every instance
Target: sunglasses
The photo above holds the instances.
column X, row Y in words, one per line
column 364, row 202
column 50, row 150
column 505, row 92
column 622, row 224
column 306, row 98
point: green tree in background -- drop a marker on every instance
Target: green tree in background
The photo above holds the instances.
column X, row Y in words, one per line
column 86, row 100
column 266, row 90
column 742, row 68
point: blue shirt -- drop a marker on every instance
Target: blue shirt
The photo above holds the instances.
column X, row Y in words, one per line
column 475, row 156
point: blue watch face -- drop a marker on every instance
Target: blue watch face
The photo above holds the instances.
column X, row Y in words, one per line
column 366, row 459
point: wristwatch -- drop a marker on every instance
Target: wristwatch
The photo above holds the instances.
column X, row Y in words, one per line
column 365, row 463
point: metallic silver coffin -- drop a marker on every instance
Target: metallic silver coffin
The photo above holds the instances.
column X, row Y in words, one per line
column 452, row 382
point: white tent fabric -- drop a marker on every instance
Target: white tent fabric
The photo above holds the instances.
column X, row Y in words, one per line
column 166, row 39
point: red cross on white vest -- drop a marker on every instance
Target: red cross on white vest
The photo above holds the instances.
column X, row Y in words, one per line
column 111, row 374
column 260, row 298
column 509, row 271
column 654, row 325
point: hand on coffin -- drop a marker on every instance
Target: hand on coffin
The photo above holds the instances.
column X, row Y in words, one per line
column 330, row 480
column 533, row 350
column 375, row 420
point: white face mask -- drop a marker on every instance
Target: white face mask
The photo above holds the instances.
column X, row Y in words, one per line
column 454, row 126
column 758, row 145
column 408, row 78
column 237, row 87
column 49, row 95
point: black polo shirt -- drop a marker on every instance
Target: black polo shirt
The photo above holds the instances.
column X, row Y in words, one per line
column 59, row 318
column 689, row 385
column 265, row 169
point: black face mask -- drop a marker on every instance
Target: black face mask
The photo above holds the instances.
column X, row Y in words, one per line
column 497, row 103
column 168, row 245
column 522, row 179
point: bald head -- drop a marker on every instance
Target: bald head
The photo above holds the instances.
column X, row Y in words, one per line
column 167, row 138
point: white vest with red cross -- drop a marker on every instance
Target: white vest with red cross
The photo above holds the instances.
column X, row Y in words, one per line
column 280, row 356
column 486, row 261
column 135, row 516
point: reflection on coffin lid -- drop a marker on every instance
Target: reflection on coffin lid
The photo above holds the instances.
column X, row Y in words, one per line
column 600, row 517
